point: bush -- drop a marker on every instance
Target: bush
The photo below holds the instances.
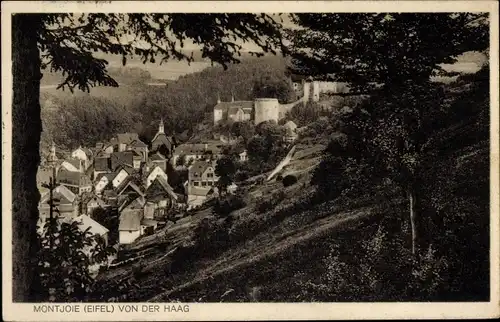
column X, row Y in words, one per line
column 223, row 207
column 289, row 180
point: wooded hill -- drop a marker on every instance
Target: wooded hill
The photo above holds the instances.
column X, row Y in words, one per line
column 286, row 243
column 85, row 118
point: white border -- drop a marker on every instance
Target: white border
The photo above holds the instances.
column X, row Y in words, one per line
column 267, row 311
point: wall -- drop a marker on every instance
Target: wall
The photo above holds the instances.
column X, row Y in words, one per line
column 266, row 109
column 128, row 237
column 217, row 116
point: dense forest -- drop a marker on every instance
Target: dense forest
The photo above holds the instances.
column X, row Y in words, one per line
column 83, row 119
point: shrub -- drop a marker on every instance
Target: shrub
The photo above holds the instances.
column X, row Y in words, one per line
column 289, row 180
column 223, row 207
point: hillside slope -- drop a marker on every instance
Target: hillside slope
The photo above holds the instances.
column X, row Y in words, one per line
column 286, row 245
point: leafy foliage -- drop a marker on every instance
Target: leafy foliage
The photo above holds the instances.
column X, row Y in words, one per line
column 66, row 253
column 67, row 41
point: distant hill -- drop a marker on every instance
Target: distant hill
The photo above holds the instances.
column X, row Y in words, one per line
column 182, row 103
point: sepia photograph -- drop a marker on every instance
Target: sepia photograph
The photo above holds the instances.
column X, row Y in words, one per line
column 260, row 154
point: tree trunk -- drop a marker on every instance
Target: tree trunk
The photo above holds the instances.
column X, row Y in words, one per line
column 26, row 130
column 412, row 196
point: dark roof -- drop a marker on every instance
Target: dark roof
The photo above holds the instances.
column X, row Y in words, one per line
column 162, row 138
column 225, row 106
column 109, row 175
column 127, row 138
column 102, row 164
column 130, row 220
column 73, row 178
column 126, row 183
column 77, row 163
column 197, row 169
column 138, row 144
column 199, row 148
column 125, row 158
column 157, row 157
column 164, row 184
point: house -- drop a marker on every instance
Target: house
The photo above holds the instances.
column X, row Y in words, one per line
column 237, row 111
column 127, row 188
column 102, row 164
column 162, row 143
column 43, row 176
column 130, row 226
column 77, row 182
column 93, row 203
column 131, row 215
column 123, row 159
column 160, row 198
column 202, row 174
column 67, row 204
column 140, row 148
column 74, row 165
column 155, row 173
column 95, row 228
column 196, row 196
column 84, row 155
column 136, row 159
column 125, row 139
column 102, row 181
column 197, row 151
column 290, row 131
column 120, row 177
column 158, row 160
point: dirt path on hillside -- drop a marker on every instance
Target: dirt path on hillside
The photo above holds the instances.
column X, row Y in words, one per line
column 314, row 230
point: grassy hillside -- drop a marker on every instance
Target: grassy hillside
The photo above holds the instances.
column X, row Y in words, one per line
column 287, row 245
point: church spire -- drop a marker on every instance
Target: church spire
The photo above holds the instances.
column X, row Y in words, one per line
column 52, row 156
column 232, row 97
column 161, row 128
column 218, row 98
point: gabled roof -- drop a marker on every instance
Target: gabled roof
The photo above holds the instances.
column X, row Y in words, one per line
column 74, row 162
column 109, row 175
column 73, row 178
column 162, row 138
column 62, row 193
column 132, row 203
column 197, row 191
column 127, row 138
column 130, row 220
column 138, row 144
column 125, row 158
column 197, row 169
column 87, row 151
column 87, row 222
column 225, row 106
column 164, row 184
column 157, row 157
column 128, row 182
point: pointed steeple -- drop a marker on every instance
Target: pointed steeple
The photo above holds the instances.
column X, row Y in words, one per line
column 161, row 128
column 232, row 97
column 218, row 98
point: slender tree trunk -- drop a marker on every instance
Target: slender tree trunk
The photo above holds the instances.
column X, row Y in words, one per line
column 26, row 130
column 412, row 197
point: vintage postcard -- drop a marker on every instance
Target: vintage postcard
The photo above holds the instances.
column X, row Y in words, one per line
column 261, row 160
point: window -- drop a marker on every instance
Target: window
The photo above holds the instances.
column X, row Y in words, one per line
column 203, row 184
column 196, row 183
